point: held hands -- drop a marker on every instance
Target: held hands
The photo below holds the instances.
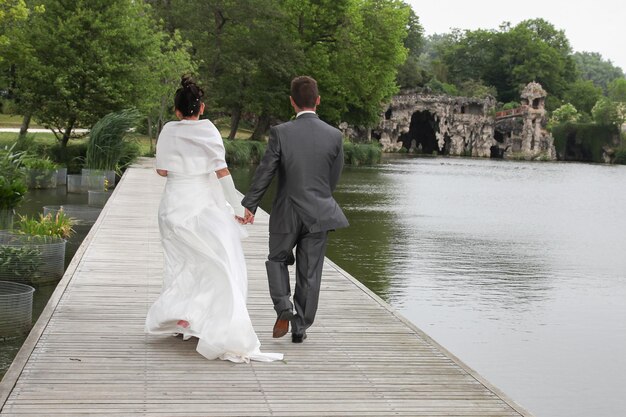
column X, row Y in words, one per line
column 248, row 219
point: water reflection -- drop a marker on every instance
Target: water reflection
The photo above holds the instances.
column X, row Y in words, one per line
column 518, row 268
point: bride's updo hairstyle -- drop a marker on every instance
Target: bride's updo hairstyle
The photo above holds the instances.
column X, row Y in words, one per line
column 188, row 97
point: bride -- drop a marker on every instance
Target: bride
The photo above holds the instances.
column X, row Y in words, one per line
column 205, row 280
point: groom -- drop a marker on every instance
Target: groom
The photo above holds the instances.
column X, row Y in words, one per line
column 307, row 154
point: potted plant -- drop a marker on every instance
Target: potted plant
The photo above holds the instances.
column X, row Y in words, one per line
column 12, row 185
column 35, row 252
column 98, row 198
column 40, row 172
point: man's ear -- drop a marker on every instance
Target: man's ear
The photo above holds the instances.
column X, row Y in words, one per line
column 317, row 102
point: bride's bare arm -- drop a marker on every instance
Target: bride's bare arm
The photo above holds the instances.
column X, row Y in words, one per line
column 222, row 172
column 162, row 172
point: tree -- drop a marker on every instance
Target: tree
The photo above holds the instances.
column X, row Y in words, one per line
column 564, row 114
column 162, row 72
column 249, row 50
column 617, row 90
column 510, row 57
column 12, row 12
column 80, row 60
column 583, row 95
column 608, row 112
column 591, row 66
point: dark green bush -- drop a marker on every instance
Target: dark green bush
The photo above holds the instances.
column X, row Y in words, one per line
column 242, row 152
column 73, row 156
column 12, row 181
column 361, row 153
column 620, row 156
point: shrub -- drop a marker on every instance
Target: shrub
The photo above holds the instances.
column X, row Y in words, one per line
column 12, row 185
column 40, row 172
column 361, row 153
column 131, row 150
column 238, row 152
column 620, row 156
column 73, row 156
column 582, row 141
column 43, row 163
column 18, row 263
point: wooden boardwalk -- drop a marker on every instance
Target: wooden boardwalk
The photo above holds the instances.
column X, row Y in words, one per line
column 88, row 354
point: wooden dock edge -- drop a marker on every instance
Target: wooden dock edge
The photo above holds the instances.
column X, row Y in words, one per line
column 495, row 390
column 19, row 362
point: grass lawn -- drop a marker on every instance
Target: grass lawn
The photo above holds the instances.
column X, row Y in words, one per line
column 14, row 120
column 48, row 139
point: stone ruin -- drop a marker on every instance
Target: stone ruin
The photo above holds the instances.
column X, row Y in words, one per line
column 445, row 125
column 522, row 132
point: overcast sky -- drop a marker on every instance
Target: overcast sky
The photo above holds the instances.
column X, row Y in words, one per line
column 593, row 26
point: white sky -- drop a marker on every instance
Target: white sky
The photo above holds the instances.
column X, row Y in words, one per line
column 592, row 26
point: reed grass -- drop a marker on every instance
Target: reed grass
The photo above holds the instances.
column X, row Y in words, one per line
column 361, row 153
column 106, row 140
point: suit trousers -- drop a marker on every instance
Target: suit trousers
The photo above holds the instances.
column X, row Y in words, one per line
column 309, row 260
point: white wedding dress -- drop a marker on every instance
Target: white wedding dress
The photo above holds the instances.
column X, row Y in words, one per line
column 205, row 278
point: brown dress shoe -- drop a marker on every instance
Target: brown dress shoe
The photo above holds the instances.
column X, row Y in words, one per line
column 281, row 327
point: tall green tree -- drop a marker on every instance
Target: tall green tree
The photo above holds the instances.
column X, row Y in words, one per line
column 12, row 12
column 80, row 60
column 583, row 95
column 617, row 90
column 249, row 50
column 162, row 71
column 591, row 66
column 510, row 57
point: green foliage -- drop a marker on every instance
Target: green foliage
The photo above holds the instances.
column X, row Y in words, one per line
column 249, row 50
column 131, row 150
column 437, row 86
column 12, row 185
column 509, row 58
column 617, row 90
column 620, row 156
column 80, row 60
column 511, row 105
column 476, row 88
column 19, row 263
column 583, row 95
column 40, row 163
column 242, row 152
column 567, row 113
column 106, row 139
column 608, row 112
column 73, row 156
column 162, row 71
column 591, row 66
column 59, row 225
column 361, row 153
column 12, row 12
column 583, row 141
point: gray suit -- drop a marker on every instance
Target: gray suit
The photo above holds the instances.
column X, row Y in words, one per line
column 307, row 154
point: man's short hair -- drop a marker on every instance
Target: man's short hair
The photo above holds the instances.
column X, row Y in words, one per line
column 304, row 91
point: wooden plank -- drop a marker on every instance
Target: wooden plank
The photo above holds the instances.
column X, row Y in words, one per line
column 88, row 355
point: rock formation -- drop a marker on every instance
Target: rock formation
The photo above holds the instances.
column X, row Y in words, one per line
column 446, row 125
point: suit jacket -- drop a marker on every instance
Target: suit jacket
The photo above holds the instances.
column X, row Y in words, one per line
column 307, row 155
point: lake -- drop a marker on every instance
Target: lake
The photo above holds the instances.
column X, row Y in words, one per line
column 518, row 268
